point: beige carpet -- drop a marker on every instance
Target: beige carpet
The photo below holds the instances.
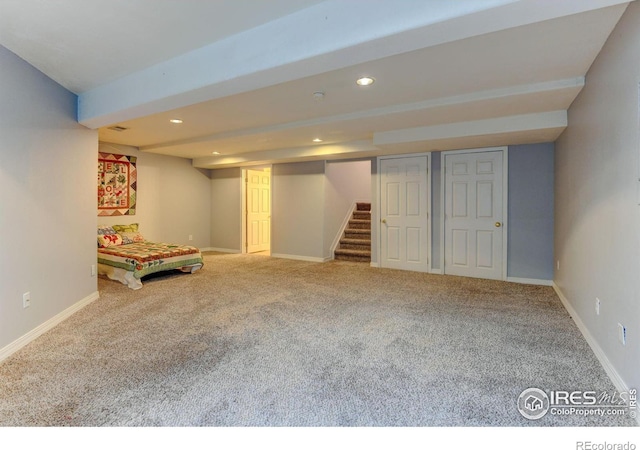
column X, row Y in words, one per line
column 257, row 341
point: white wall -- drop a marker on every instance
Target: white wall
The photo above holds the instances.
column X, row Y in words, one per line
column 347, row 182
column 597, row 217
column 47, row 199
column 173, row 198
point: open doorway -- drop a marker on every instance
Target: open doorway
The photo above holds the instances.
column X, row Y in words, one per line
column 256, row 217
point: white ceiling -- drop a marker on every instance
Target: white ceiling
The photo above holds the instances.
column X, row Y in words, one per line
column 242, row 73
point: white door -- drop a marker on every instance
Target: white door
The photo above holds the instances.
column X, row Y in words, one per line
column 403, row 213
column 473, row 231
column 258, row 210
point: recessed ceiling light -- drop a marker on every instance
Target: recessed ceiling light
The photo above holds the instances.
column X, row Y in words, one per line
column 317, row 140
column 365, row 81
column 175, row 120
column 215, row 153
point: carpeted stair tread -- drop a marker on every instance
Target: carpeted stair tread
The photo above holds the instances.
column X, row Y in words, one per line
column 362, row 215
column 355, row 247
column 363, row 206
column 355, row 244
column 342, row 251
column 355, row 241
column 353, row 255
column 360, row 224
column 358, row 231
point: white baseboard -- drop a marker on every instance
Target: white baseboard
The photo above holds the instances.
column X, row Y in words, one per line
column 46, row 326
column 436, row 271
column 221, row 250
column 530, row 281
column 612, row 373
column 374, row 264
column 300, row 258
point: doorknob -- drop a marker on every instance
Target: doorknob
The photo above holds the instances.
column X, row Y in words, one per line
column 384, row 220
column 498, row 224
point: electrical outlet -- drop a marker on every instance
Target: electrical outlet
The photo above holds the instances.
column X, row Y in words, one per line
column 622, row 334
column 26, row 299
column 93, row 270
column 191, row 237
column 597, row 306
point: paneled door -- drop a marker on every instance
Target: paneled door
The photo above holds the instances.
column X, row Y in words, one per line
column 473, row 231
column 403, row 213
column 258, row 210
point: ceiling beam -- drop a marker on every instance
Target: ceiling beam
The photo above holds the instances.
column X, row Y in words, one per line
column 526, row 128
column 328, row 36
column 554, row 87
column 319, row 152
column 476, row 128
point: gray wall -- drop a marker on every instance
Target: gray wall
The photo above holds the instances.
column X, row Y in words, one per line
column 597, row 227
column 297, row 219
column 530, row 215
column 47, row 199
column 173, row 198
column 437, row 209
column 346, row 182
column 226, row 209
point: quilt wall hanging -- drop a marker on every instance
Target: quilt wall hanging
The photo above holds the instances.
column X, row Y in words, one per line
column 117, row 184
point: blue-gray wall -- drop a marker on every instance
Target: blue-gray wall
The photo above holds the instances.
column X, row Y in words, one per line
column 47, row 200
column 530, row 215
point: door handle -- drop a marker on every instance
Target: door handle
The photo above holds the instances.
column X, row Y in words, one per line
column 384, row 220
column 498, row 224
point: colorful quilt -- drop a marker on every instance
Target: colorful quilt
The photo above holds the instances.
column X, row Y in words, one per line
column 144, row 258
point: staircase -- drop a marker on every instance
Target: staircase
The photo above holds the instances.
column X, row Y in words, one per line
column 355, row 244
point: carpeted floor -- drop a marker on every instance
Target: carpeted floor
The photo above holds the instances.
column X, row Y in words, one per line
column 259, row 341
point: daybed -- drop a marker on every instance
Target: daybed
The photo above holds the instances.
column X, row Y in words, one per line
column 124, row 255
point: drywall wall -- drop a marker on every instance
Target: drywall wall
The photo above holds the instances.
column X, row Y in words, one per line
column 347, row 182
column 47, row 199
column 597, row 217
column 375, row 216
column 226, row 210
column 297, row 222
column 530, row 212
column 436, row 211
column 173, row 198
